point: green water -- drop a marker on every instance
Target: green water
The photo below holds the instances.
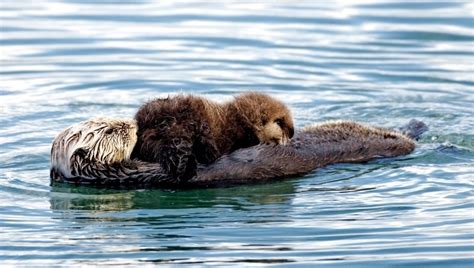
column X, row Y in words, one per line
column 377, row 62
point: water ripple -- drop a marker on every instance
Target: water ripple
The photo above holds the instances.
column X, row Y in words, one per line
column 381, row 62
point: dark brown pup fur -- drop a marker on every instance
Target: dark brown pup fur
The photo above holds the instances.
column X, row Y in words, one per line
column 181, row 131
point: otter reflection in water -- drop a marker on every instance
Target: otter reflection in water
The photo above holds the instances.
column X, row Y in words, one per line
column 82, row 155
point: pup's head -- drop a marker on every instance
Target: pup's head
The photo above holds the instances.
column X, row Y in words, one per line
column 99, row 140
column 270, row 118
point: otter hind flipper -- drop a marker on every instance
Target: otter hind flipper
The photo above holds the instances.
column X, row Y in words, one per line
column 414, row 129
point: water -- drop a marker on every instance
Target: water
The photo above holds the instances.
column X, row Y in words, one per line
column 378, row 62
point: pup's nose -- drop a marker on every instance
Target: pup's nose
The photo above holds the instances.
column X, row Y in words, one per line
column 291, row 132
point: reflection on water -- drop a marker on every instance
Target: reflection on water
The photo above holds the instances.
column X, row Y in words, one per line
column 382, row 62
column 86, row 198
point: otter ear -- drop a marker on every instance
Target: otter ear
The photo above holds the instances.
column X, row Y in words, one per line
column 81, row 152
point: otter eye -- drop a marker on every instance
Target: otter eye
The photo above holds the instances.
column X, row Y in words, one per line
column 279, row 122
column 109, row 131
column 81, row 152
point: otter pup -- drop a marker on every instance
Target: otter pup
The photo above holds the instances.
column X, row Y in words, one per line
column 89, row 153
column 180, row 132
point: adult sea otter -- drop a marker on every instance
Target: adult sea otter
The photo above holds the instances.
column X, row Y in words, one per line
column 97, row 152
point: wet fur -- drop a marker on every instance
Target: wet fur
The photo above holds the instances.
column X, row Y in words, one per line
column 79, row 148
column 312, row 147
column 181, row 131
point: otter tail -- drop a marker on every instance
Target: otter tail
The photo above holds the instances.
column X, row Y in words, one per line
column 414, row 129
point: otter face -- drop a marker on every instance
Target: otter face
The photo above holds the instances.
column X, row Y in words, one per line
column 278, row 130
column 100, row 140
column 271, row 119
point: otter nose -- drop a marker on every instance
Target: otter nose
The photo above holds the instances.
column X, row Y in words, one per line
column 126, row 126
column 291, row 132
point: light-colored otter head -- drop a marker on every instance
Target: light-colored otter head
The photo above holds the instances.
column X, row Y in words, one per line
column 270, row 118
column 98, row 140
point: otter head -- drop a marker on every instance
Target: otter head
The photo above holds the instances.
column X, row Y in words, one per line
column 270, row 119
column 95, row 141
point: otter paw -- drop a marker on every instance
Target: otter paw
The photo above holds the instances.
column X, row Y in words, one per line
column 186, row 168
column 177, row 159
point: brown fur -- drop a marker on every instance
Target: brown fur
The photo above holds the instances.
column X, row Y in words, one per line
column 182, row 131
column 312, row 147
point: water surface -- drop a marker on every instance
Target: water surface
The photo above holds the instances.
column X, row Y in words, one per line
column 378, row 62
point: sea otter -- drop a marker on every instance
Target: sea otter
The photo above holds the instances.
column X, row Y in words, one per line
column 79, row 149
column 97, row 152
column 181, row 131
